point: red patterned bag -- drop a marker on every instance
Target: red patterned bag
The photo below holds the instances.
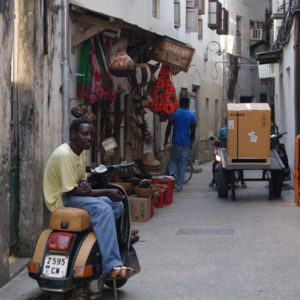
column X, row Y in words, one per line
column 164, row 99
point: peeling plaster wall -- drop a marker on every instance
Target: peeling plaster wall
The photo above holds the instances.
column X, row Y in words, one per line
column 39, row 83
column 6, row 42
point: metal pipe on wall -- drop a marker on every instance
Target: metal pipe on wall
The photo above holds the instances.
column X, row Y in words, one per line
column 297, row 73
column 65, row 69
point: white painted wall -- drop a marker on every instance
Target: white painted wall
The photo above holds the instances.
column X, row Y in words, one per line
column 284, row 89
column 285, row 101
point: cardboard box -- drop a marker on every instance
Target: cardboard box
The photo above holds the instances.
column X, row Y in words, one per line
column 248, row 132
column 140, row 208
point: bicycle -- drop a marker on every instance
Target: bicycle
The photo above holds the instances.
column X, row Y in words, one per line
column 189, row 170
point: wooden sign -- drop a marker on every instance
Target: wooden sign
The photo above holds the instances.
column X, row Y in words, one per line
column 173, row 53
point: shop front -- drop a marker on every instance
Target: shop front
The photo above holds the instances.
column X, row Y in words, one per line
column 123, row 84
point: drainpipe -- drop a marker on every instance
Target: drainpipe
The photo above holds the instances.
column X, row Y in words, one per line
column 65, row 70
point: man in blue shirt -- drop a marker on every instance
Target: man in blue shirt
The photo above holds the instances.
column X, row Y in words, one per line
column 184, row 123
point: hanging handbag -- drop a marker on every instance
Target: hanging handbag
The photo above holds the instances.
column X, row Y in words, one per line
column 164, row 99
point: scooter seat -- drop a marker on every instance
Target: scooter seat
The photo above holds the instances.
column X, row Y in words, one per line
column 70, row 219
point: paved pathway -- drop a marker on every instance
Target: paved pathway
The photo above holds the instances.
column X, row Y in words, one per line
column 205, row 248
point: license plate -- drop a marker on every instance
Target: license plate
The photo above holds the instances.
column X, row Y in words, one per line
column 55, row 266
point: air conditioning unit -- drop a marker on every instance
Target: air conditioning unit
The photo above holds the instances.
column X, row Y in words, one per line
column 256, row 34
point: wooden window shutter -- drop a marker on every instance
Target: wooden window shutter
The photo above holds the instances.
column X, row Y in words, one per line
column 214, row 14
column 200, row 29
column 201, row 7
column 176, row 13
column 155, row 8
column 224, row 22
column 191, row 20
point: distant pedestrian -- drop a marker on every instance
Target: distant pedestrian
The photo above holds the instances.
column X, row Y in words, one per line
column 184, row 123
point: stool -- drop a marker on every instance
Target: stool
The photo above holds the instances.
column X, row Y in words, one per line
column 169, row 191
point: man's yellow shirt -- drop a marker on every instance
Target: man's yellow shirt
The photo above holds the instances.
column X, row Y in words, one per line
column 63, row 172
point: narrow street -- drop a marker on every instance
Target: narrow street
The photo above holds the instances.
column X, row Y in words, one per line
column 205, row 248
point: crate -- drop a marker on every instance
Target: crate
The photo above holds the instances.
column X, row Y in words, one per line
column 169, row 189
column 160, row 202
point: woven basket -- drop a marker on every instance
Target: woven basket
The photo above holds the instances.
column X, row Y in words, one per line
column 144, row 192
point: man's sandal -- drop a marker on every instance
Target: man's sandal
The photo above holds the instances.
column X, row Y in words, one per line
column 120, row 273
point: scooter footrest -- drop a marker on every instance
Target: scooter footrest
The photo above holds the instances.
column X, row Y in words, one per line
column 70, row 219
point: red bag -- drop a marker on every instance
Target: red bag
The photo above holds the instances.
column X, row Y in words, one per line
column 164, row 99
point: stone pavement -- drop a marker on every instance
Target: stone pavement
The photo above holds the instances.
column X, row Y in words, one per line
column 205, row 248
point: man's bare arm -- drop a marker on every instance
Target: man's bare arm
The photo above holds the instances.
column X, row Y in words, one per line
column 168, row 130
column 84, row 189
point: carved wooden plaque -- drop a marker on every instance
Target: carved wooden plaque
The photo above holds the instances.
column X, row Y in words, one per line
column 173, row 53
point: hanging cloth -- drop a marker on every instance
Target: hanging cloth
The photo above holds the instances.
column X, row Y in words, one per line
column 96, row 85
column 103, row 48
column 84, row 82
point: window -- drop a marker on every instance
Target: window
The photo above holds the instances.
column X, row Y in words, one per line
column 199, row 4
column 191, row 20
column 155, row 8
column 224, row 22
column 238, row 34
column 176, row 13
column 214, row 14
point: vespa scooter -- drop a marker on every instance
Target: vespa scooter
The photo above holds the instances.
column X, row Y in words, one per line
column 67, row 256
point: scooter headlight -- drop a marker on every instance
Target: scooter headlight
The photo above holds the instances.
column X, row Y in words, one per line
column 218, row 158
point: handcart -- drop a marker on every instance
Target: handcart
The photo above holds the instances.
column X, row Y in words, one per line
column 228, row 174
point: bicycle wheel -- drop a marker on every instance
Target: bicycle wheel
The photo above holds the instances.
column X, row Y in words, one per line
column 188, row 172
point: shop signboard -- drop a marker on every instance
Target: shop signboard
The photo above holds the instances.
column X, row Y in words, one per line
column 173, row 53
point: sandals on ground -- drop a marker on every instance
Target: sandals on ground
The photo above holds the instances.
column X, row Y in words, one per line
column 121, row 272
column 134, row 236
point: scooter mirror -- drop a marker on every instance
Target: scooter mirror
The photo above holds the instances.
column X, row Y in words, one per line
column 98, row 169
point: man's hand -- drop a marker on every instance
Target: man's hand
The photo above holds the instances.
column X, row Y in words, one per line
column 115, row 195
column 84, row 187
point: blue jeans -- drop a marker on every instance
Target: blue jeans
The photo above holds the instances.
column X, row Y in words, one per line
column 178, row 161
column 103, row 215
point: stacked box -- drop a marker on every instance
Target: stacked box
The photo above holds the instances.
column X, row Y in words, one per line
column 141, row 209
column 248, row 132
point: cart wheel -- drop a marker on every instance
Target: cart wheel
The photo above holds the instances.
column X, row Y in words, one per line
column 222, row 182
column 277, row 180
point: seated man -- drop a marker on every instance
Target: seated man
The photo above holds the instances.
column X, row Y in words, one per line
column 65, row 184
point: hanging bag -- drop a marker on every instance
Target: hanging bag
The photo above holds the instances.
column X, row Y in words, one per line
column 164, row 100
